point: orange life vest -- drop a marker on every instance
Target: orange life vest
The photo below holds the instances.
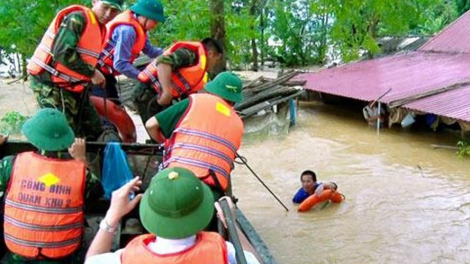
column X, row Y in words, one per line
column 88, row 46
column 184, row 81
column 209, row 248
column 206, row 138
column 44, row 207
column 107, row 54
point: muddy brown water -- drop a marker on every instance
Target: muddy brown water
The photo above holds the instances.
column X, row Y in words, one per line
column 406, row 202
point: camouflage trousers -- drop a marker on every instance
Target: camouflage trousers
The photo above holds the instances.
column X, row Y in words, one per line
column 77, row 107
column 145, row 101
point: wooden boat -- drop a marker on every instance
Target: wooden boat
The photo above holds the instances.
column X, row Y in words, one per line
column 143, row 158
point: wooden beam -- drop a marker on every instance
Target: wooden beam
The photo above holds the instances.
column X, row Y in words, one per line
column 403, row 101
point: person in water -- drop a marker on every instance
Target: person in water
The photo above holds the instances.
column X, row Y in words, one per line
column 310, row 186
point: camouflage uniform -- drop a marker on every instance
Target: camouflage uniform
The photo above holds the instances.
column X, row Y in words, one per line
column 92, row 192
column 145, row 96
column 81, row 114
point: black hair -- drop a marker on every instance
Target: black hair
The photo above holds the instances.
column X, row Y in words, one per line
column 212, row 44
column 311, row 173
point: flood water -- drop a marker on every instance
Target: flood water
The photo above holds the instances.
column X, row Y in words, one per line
column 406, row 202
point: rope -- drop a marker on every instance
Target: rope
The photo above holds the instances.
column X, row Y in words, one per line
column 244, row 160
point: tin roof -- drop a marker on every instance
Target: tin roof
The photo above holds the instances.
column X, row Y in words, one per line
column 454, row 38
column 406, row 75
column 454, row 104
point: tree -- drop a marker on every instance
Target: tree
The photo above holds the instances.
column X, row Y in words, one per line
column 303, row 30
column 462, row 6
column 217, row 25
column 300, row 29
column 358, row 24
column 23, row 23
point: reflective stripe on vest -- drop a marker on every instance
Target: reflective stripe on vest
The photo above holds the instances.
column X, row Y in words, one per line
column 41, row 209
column 197, row 163
column 184, row 81
column 211, row 151
column 206, row 138
column 210, row 248
column 106, row 60
column 44, row 206
column 176, row 88
column 209, row 136
column 39, row 244
column 87, row 47
column 42, row 228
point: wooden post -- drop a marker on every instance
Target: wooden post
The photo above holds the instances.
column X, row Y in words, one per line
column 378, row 118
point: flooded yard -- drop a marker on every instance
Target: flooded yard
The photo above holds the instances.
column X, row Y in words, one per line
column 406, row 202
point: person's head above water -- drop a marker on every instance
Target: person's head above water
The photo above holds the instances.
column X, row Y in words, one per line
column 308, row 179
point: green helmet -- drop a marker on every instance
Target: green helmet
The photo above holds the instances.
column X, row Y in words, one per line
column 226, row 85
column 176, row 204
column 152, row 9
column 49, row 130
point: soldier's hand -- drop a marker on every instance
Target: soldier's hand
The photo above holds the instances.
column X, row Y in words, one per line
column 98, row 79
column 165, row 98
column 78, row 149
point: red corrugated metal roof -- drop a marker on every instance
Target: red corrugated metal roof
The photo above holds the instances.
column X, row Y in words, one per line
column 454, row 38
column 454, row 104
column 407, row 74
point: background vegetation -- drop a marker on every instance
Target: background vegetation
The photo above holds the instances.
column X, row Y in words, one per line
column 292, row 32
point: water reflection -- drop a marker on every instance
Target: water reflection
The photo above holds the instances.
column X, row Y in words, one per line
column 405, row 201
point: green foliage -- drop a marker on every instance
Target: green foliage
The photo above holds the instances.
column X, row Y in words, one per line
column 23, row 22
column 437, row 18
column 11, row 123
column 305, row 29
column 301, row 26
column 463, row 149
column 359, row 23
column 239, row 35
column 186, row 20
column 462, row 6
column 190, row 20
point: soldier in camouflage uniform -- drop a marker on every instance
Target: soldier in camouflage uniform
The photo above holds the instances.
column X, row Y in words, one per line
column 124, row 42
column 77, row 107
column 146, row 99
column 52, row 142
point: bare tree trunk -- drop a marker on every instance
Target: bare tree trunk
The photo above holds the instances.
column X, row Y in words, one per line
column 254, row 48
column 261, row 21
column 218, row 32
column 254, row 58
column 323, row 49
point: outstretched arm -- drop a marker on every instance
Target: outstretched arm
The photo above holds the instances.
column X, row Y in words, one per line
column 151, row 51
column 164, row 77
column 120, row 206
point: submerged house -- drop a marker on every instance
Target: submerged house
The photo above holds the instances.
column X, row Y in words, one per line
column 433, row 80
